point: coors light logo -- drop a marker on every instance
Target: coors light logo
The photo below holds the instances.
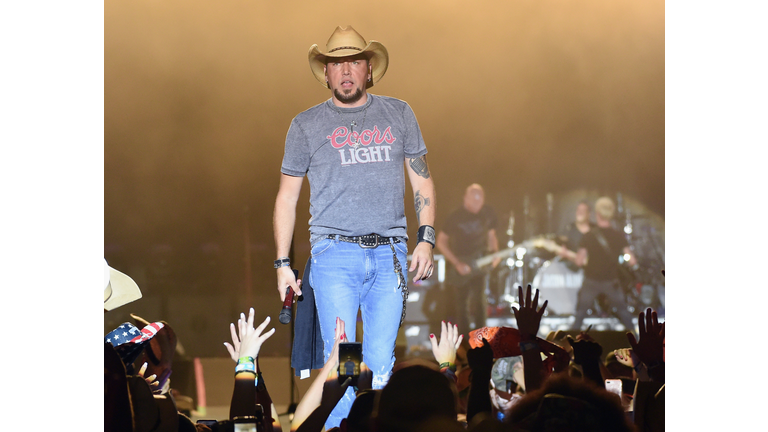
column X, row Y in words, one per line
column 374, row 145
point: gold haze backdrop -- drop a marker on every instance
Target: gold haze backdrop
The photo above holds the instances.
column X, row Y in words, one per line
column 524, row 97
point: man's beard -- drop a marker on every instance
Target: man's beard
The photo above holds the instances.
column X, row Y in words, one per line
column 350, row 98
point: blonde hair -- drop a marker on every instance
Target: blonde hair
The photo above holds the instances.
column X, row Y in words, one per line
column 605, row 208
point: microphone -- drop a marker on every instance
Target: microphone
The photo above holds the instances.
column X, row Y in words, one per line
column 286, row 313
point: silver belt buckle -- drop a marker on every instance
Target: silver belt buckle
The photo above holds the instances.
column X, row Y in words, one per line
column 363, row 245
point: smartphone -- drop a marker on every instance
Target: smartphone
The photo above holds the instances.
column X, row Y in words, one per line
column 245, row 424
column 350, row 356
column 614, row 386
column 209, row 423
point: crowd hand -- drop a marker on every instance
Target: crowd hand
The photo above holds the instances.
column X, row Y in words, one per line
column 650, row 348
column 285, row 279
column 333, row 390
column 627, row 357
column 500, row 399
column 422, row 261
column 528, row 318
column 154, row 384
column 561, row 358
column 445, row 349
column 585, row 350
column 339, row 337
column 247, row 341
column 480, row 358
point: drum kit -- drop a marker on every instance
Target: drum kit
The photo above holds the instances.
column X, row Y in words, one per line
column 558, row 280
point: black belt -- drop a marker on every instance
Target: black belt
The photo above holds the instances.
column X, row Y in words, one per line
column 366, row 241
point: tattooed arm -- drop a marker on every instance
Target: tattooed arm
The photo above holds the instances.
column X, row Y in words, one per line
column 424, row 201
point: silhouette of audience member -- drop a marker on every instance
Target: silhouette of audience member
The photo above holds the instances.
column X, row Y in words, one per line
column 414, row 394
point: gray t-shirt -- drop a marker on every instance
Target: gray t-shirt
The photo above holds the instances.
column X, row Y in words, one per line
column 356, row 177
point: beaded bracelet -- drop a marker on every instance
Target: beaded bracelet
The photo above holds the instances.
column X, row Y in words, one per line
column 448, row 365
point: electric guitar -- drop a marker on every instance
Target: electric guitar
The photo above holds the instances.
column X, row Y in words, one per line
column 478, row 264
column 627, row 274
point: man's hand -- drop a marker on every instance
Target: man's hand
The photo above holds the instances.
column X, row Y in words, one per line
column 481, row 358
column 285, row 279
column 463, row 268
column 528, row 318
column 445, row 349
column 650, row 347
column 422, row 261
column 495, row 262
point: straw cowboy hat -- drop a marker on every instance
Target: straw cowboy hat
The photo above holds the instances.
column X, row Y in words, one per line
column 345, row 42
column 119, row 288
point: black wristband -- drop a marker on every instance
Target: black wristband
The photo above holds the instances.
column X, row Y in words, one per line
column 426, row 234
column 282, row 262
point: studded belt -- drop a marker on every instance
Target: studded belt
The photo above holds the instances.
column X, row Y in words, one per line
column 366, row 241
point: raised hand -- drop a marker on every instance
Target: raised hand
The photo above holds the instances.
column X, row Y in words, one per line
column 154, row 385
column 445, row 349
column 528, row 318
column 627, row 357
column 650, row 347
column 480, row 358
column 585, row 350
column 247, row 341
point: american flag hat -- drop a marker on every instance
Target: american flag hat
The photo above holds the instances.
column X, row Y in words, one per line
column 129, row 341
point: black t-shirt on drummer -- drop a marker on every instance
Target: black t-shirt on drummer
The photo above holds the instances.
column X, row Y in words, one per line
column 601, row 265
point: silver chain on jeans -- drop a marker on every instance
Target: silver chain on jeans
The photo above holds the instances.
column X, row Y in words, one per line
column 402, row 285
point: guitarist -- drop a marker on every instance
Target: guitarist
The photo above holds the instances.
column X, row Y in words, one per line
column 598, row 253
column 468, row 233
column 573, row 232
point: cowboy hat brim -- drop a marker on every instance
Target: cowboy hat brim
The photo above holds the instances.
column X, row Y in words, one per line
column 375, row 52
column 120, row 289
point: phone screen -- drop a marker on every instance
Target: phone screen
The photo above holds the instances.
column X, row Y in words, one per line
column 613, row 386
column 245, row 427
column 350, row 356
column 245, row 424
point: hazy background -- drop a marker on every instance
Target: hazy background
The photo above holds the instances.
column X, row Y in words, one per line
column 523, row 97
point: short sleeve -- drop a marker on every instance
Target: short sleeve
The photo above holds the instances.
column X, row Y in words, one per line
column 414, row 144
column 296, row 156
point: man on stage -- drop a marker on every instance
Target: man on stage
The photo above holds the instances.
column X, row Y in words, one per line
column 352, row 148
column 469, row 233
column 599, row 251
column 573, row 232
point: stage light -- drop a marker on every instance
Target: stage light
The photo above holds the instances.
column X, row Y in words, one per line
column 412, row 331
column 520, row 252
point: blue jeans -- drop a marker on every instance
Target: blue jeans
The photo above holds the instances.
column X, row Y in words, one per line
column 347, row 277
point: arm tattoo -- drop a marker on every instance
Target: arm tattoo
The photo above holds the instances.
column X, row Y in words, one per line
column 419, row 166
column 420, row 202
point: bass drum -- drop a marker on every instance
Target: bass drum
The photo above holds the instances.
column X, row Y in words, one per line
column 558, row 283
